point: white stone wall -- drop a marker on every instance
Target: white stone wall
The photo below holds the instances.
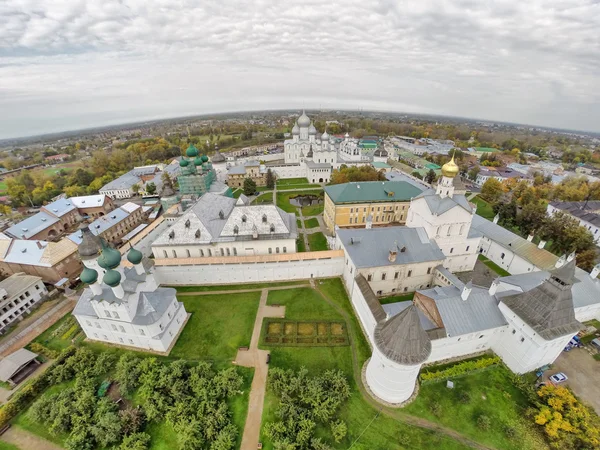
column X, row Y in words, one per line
column 289, row 171
column 521, row 348
column 505, row 257
column 248, row 272
column 21, row 303
column 233, row 248
column 389, row 380
column 466, row 344
column 118, row 193
column 589, row 312
column 400, row 278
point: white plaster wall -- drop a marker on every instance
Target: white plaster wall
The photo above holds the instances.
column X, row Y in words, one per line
column 466, row 344
column 289, row 171
column 389, row 380
column 418, row 279
column 35, row 295
column 242, row 248
column 118, row 193
column 523, row 350
column 512, row 263
column 589, row 312
column 248, row 272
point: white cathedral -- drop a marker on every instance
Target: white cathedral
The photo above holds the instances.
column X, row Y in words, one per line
column 308, row 155
column 124, row 305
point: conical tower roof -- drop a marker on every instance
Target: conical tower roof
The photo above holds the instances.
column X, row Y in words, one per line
column 548, row 308
column 90, row 244
column 402, row 338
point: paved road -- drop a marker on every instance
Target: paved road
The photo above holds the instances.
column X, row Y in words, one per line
column 583, row 372
column 26, row 440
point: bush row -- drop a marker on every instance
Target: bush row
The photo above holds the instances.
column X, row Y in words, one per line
column 70, row 332
column 63, row 327
column 41, row 349
column 28, row 393
column 460, row 369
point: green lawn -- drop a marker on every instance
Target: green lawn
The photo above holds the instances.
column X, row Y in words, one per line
column 367, row 429
column 300, row 246
column 397, row 298
column 313, row 210
column 283, row 200
column 302, row 304
column 293, row 182
column 55, row 343
column 237, row 193
column 317, row 242
column 492, row 265
column 492, row 394
column 484, row 209
column 7, row 446
column 311, row 223
column 299, row 223
column 236, row 287
column 263, row 198
column 218, row 326
column 263, row 189
column 3, row 189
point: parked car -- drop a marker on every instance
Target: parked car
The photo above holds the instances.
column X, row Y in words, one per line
column 558, row 378
column 596, row 343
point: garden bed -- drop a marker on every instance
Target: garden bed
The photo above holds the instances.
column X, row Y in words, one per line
column 304, row 333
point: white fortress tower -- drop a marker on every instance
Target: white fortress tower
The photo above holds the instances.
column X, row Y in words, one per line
column 401, row 346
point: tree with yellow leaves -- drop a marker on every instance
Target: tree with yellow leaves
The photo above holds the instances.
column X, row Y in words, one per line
column 567, row 423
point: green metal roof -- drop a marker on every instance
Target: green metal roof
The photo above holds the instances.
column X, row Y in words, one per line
column 380, row 165
column 372, row 191
column 486, row 149
column 368, row 145
column 432, row 166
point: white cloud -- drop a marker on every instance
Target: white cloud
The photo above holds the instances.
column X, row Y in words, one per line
column 67, row 64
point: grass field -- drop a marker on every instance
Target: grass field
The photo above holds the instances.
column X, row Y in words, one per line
column 263, row 198
column 237, row 193
column 55, row 343
column 283, row 200
column 313, row 210
column 484, row 209
column 214, row 331
column 492, row 265
column 311, row 223
column 491, row 393
column 7, row 446
column 263, row 189
column 397, row 298
column 3, row 189
column 299, row 223
column 317, row 242
column 302, row 304
column 367, row 429
column 291, row 183
column 236, row 287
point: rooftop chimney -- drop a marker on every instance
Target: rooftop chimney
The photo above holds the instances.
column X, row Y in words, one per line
column 466, row 290
column 494, row 286
column 496, row 218
column 571, row 256
column 392, row 254
column 595, row 272
column 530, row 237
column 542, row 244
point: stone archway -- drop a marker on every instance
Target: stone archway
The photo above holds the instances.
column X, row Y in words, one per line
column 320, row 180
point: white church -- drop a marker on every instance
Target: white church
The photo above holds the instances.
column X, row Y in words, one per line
column 308, row 155
column 124, row 305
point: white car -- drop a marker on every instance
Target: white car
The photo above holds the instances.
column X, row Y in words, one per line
column 558, row 378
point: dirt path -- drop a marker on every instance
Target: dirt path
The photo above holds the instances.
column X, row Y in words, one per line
column 395, row 414
column 32, row 331
column 26, row 440
column 253, row 357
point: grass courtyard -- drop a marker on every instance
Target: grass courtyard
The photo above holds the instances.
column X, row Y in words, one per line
column 317, row 242
column 283, row 200
column 492, row 265
column 263, row 199
column 311, row 223
column 484, row 209
column 295, row 183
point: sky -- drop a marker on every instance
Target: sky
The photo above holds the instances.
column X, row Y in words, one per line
column 71, row 64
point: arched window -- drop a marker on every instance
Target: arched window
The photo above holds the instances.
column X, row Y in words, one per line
column 264, row 218
column 236, row 230
column 244, row 218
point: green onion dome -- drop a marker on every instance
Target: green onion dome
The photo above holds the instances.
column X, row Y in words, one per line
column 183, row 163
column 88, row 276
column 204, row 158
column 110, row 258
column 112, row 278
column 198, row 161
column 134, row 256
column 191, row 151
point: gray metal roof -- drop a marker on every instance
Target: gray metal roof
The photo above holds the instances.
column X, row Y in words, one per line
column 125, row 181
column 370, row 297
column 314, row 165
column 26, row 252
column 32, row 225
column 101, row 224
column 478, row 312
column 402, row 338
column 371, row 247
column 540, row 258
column 60, row 207
column 392, row 309
column 548, row 308
column 13, row 362
column 17, row 283
column 439, row 205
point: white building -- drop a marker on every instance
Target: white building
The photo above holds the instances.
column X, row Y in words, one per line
column 124, row 305
column 19, row 293
column 586, row 213
column 314, row 157
column 446, row 216
column 142, row 176
column 223, row 226
column 500, row 175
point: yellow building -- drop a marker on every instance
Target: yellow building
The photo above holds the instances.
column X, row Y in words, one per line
column 251, row 169
column 350, row 204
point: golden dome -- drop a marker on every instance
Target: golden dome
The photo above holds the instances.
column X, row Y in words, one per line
column 450, row 169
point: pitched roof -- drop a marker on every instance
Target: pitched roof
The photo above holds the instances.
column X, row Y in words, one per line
column 88, row 201
column 372, row 191
column 548, row 308
column 32, row 225
column 370, row 297
column 402, row 338
column 371, row 247
column 59, row 207
column 439, row 205
column 540, row 258
column 13, row 362
column 18, row 282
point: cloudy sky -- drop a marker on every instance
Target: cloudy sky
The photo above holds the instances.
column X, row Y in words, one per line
column 68, row 64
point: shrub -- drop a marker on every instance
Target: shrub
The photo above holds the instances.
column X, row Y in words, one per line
column 404, row 440
column 436, row 408
column 36, row 347
column 510, row 432
column 464, row 397
column 484, row 422
column 460, row 369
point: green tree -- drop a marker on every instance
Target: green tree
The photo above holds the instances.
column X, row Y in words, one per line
column 492, row 190
column 136, row 189
column 151, row 188
column 270, row 179
column 136, row 441
column 430, row 176
column 474, row 172
column 339, row 430
column 249, row 186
